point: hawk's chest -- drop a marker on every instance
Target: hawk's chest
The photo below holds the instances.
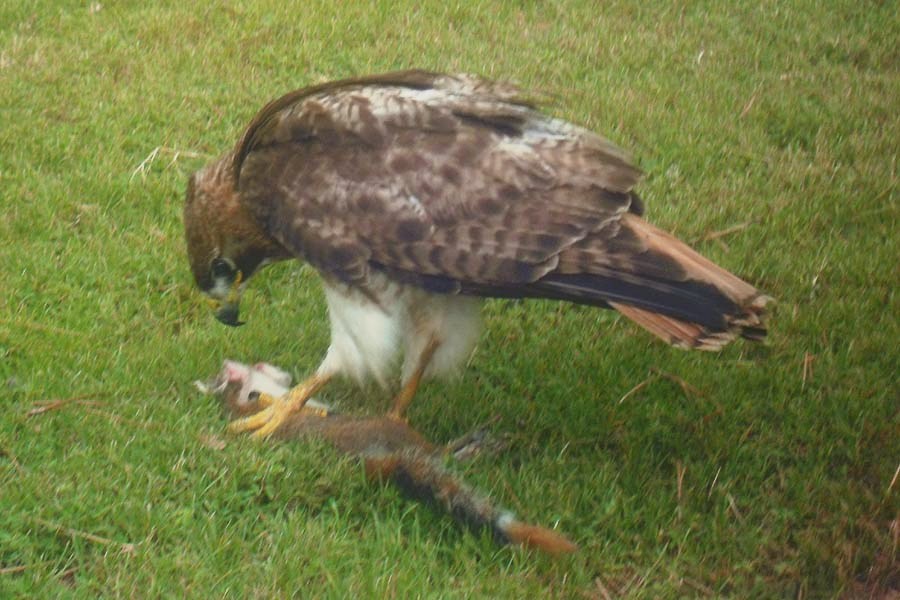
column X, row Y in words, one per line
column 370, row 331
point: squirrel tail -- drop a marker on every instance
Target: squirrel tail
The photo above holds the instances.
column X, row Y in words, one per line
column 533, row 536
column 421, row 476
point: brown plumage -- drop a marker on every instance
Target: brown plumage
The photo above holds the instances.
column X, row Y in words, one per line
column 404, row 187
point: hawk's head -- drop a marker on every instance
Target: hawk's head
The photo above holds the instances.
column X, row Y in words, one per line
column 225, row 245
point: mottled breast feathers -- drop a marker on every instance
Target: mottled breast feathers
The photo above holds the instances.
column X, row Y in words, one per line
column 450, row 182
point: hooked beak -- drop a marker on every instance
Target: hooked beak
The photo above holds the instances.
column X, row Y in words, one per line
column 227, row 313
column 227, row 310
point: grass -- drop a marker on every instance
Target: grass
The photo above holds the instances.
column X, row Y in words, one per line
column 771, row 473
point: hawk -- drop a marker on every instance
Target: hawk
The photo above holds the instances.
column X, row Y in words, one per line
column 417, row 194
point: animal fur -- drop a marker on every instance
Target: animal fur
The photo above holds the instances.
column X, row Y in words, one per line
column 389, row 449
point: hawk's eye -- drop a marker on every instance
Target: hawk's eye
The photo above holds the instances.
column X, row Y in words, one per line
column 221, row 268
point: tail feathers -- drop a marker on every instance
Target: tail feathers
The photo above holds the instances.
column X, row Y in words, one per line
column 661, row 284
column 687, row 335
column 745, row 317
column 421, row 476
column 533, row 536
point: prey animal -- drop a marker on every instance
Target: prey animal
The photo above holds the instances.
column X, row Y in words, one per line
column 415, row 195
column 389, row 449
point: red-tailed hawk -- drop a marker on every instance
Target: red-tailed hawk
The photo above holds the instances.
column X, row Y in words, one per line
column 416, row 194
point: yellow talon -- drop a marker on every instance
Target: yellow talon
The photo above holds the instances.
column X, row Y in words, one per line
column 264, row 400
column 278, row 410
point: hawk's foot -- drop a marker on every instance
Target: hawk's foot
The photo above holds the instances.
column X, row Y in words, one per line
column 278, row 410
column 405, row 396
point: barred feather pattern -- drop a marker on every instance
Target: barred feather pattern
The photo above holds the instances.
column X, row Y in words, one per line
column 459, row 185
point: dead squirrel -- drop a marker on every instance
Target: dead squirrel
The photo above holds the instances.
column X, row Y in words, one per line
column 389, row 449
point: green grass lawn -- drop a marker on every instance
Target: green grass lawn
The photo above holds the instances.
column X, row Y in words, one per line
column 769, row 135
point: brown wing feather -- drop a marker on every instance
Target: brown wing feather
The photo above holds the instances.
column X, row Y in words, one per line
column 464, row 182
column 267, row 121
column 459, row 184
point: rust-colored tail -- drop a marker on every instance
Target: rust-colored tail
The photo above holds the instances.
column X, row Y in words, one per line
column 421, row 475
column 735, row 307
column 533, row 536
column 655, row 280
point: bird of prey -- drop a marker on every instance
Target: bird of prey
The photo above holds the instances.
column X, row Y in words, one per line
column 417, row 194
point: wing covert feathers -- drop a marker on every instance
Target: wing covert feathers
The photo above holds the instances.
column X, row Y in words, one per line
column 457, row 184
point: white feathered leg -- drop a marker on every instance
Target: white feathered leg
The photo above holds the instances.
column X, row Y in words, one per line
column 442, row 330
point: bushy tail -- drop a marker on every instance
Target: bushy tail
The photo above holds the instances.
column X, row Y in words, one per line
column 533, row 536
column 421, row 476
